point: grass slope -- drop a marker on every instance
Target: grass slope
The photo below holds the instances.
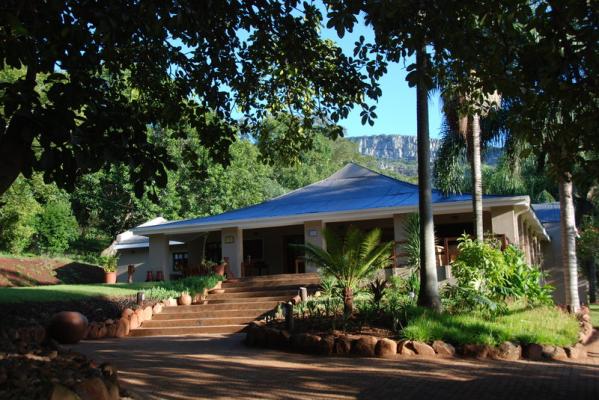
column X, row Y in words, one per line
column 543, row 325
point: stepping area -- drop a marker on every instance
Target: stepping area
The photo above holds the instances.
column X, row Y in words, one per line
column 243, row 301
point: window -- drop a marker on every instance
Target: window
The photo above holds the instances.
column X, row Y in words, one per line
column 180, row 261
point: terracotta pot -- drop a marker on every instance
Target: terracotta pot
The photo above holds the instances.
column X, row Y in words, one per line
column 198, row 298
column 185, row 299
column 110, row 278
column 219, row 269
column 68, row 327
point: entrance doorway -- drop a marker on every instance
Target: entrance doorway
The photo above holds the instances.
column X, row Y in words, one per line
column 294, row 255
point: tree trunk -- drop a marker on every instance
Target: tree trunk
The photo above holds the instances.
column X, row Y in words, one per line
column 429, row 293
column 348, row 302
column 477, row 180
column 568, row 231
column 592, row 268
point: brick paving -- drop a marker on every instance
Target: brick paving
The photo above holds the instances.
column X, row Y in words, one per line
column 221, row 367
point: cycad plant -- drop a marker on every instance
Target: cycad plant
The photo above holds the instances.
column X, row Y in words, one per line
column 357, row 256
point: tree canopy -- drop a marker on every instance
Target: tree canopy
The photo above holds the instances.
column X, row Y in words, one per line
column 92, row 78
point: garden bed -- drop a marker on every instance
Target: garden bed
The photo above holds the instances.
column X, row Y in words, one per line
column 542, row 333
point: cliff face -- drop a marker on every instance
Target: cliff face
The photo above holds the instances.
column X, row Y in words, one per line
column 392, row 147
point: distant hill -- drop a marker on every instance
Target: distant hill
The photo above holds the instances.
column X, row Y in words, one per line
column 399, row 152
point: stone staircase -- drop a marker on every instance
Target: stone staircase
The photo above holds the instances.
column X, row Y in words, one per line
column 244, row 300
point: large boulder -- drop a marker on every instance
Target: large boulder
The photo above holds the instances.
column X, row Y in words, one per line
column 123, row 327
column 140, row 315
column 111, row 330
column 507, row 351
column 157, row 309
column 343, row 344
column 443, row 349
column 533, row 352
column 365, row 346
column 134, row 321
column 147, row 313
column 256, row 335
column 575, row 352
column 127, row 312
column 92, row 389
column 422, row 349
column 404, row 348
column 68, row 327
column 326, row 345
column 386, row 348
column 476, row 350
column 554, row 353
column 306, row 342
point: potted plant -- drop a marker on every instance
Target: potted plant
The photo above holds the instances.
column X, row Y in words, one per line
column 219, row 269
column 109, row 265
column 185, row 299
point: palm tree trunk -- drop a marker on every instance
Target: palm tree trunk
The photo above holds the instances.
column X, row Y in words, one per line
column 348, row 302
column 429, row 292
column 592, row 269
column 568, row 231
column 477, row 180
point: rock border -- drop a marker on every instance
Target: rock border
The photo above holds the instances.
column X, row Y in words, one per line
column 260, row 334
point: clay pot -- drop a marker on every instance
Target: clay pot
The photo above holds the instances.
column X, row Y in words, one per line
column 185, row 299
column 68, row 327
column 110, row 278
column 219, row 269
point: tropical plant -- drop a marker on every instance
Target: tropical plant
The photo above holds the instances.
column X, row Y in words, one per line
column 412, row 245
column 377, row 289
column 487, row 277
column 349, row 260
column 109, row 262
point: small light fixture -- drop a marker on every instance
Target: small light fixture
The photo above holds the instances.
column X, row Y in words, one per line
column 312, row 232
column 140, row 298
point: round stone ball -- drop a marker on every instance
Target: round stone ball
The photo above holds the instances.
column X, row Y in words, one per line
column 68, row 327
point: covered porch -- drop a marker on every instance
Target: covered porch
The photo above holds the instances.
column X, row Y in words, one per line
column 271, row 250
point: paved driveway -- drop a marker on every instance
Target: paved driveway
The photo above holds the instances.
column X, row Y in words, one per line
column 222, row 367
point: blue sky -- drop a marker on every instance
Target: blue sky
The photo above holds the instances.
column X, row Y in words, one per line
column 396, row 108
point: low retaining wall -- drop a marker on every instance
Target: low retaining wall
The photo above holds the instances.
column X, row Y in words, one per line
column 260, row 334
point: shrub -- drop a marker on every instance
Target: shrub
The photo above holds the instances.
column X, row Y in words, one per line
column 56, row 226
column 192, row 285
column 487, row 277
column 18, row 211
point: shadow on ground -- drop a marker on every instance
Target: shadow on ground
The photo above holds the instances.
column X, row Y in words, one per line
column 222, row 367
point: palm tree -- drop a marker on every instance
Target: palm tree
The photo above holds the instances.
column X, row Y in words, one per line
column 349, row 260
column 463, row 130
column 429, row 290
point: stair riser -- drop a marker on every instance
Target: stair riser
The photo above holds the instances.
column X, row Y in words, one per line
column 271, row 283
column 262, row 288
column 211, row 314
column 187, row 330
column 221, row 307
column 197, row 322
column 250, row 295
column 247, row 299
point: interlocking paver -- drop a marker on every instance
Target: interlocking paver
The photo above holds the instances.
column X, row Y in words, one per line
column 222, row 367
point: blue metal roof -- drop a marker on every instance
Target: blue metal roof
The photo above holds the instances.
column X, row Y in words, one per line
column 547, row 212
column 352, row 188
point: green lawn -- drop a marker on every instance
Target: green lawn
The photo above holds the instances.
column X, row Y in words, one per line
column 154, row 290
column 594, row 314
column 543, row 325
column 64, row 292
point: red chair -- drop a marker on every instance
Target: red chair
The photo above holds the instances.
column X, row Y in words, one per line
column 149, row 276
column 159, row 276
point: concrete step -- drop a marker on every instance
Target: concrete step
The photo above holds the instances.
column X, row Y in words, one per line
column 244, row 305
column 273, row 280
column 254, row 294
column 225, row 300
column 172, row 323
column 209, row 313
column 187, row 330
column 259, row 288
